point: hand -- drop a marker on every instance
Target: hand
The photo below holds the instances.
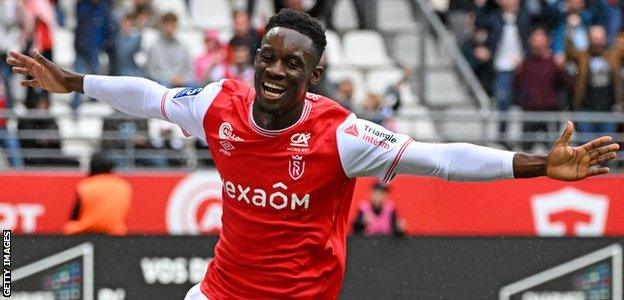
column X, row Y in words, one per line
column 569, row 163
column 46, row 74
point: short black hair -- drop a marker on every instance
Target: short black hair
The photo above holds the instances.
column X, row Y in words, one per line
column 101, row 163
column 542, row 27
column 302, row 23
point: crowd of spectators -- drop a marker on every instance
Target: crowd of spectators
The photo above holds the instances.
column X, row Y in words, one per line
column 552, row 55
column 108, row 37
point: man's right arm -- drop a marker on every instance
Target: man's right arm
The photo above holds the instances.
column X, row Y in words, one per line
column 139, row 97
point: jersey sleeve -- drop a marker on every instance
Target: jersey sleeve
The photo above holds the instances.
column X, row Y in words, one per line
column 140, row 97
column 368, row 149
column 187, row 107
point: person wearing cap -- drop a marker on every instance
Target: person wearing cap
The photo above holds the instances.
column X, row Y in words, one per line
column 210, row 58
column 103, row 201
column 378, row 216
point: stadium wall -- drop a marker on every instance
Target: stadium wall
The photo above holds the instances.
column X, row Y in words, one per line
column 165, row 267
column 190, row 204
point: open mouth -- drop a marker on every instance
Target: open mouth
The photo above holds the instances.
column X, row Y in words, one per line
column 272, row 90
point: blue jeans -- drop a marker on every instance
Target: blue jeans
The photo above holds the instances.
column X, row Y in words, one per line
column 86, row 63
column 11, row 146
column 503, row 95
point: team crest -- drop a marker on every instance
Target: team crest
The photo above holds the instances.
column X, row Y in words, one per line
column 296, row 167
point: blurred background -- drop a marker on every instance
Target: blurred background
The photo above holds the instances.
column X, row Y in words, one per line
column 501, row 73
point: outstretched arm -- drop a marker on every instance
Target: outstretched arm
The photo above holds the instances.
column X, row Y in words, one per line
column 132, row 95
column 367, row 149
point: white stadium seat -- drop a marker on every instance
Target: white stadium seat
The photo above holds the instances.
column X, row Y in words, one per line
column 215, row 14
column 378, row 80
column 344, row 16
column 459, row 130
column 365, row 49
column 359, row 85
column 194, row 42
column 262, row 11
column 90, row 119
column 334, row 50
column 421, row 129
column 406, row 51
column 444, row 89
column 64, row 53
column 395, row 16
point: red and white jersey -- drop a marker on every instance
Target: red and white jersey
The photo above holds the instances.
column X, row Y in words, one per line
column 287, row 192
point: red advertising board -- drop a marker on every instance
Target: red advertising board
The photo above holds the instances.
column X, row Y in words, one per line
column 181, row 203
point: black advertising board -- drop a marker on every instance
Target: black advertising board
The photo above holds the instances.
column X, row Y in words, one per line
column 165, row 267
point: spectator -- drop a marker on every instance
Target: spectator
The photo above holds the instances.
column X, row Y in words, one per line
column 8, row 40
column 539, row 82
column 378, row 216
column 344, row 94
column 373, row 110
column 244, row 31
column 240, row 67
column 127, row 45
column 93, row 29
column 507, row 30
column 205, row 63
column 168, row 60
column 122, row 132
column 573, row 23
column 38, row 134
column 598, row 83
column 39, row 19
column 167, row 141
column 479, row 57
column 103, row 201
column 8, row 142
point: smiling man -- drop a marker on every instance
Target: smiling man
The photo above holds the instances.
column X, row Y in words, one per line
column 288, row 160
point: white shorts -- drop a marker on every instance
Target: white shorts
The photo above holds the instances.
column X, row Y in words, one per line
column 195, row 294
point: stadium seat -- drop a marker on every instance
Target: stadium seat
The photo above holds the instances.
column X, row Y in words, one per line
column 194, row 42
column 90, row 120
column 421, row 128
column 359, row 85
column 365, row 49
column 344, row 16
column 378, row 80
column 395, row 16
column 444, row 89
column 406, row 51
column 63, row 115
column 64, row 53
column 460, row 130
column 217, row 15
column 262, row 11
column 334, row 49
column 178, row 7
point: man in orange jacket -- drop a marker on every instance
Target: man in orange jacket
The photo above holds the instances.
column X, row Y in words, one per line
column 103, row 201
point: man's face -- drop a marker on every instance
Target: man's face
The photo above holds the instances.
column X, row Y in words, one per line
column 378, row 196
column 346, row 88
column 575, row 6
column 539, row 40
column 169, row 28
column 240, row 56
column 597, row 37
column 285, row 66
column 241, row 24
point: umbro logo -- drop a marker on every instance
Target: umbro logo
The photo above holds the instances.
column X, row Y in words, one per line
column 352, row 130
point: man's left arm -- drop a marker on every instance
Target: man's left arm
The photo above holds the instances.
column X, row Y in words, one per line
column 367, row 149
column 466, row 162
